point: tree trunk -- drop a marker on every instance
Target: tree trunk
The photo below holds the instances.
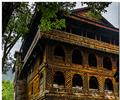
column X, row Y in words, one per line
column 7, row 10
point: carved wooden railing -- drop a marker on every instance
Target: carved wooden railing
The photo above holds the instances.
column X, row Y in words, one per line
column 81, row 41
column 80, row 92
column 94, row 92
column 109, row 94
column 77, row 90
column 58, row 89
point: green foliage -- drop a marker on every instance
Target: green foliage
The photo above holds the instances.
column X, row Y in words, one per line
column 93, row 15
column 19, row 20
column 47, row 25
column 50, row 18
column 7, row 90
column 16, row 28
column 97, row 7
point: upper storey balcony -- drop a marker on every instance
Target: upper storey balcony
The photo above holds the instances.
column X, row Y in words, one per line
column 81, row 41
column 73, row 39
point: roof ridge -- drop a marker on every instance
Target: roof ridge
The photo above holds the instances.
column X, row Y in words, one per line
column 102, row 21
column 80, row 9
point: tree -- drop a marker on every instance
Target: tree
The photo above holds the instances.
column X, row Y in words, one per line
column 97, row 7
column 22, row 22
column 26, row 19
column 7, row 9
column 7, row 90
column 15, row 29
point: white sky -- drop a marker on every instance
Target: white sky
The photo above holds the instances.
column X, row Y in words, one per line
column 111, row 15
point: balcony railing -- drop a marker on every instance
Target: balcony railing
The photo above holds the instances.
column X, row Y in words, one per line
column 77, row 90
column 58, row 88
column 94, row 92
column 109, row 94
column 81, row 41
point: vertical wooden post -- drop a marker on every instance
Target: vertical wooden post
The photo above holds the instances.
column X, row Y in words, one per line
column 68, row 57
column 101, row 85
column 114, row 64
column 114, row 86
column 85, row 59
column 86, row 83
column 99, row 62
column 68, row 82
column 49, row 78
column 21, row 90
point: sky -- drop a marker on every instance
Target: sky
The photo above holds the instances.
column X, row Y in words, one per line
column 111, row 15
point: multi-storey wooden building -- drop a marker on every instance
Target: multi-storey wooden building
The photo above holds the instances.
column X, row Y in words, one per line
column 76, row 63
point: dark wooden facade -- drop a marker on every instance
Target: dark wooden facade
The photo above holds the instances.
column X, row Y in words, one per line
column 75, row 63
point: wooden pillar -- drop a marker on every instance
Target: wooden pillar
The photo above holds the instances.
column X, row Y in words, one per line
column 99, row 62
column 45, row 54
column 114, row 86
column 49, row 78
column 116, row 89
column 68, row 81
column 86, row 83
column 85, row 59
column 101, row 85
column 21, row 90
column 68, row 57
column 114, row 64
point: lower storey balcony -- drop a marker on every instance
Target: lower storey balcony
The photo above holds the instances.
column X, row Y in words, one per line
column 60, row 92
column 80, row 93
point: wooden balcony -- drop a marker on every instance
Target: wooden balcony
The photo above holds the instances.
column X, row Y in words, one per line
column 77, row 91
column 109, row 94
column 94, row 92
column 58, row 89
column 81, row 41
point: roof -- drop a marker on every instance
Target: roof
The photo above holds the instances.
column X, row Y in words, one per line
column 86, row 14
